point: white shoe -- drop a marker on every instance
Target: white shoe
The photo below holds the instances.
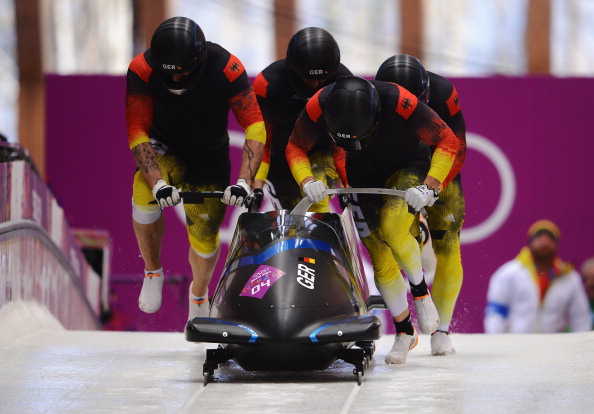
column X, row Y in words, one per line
column 150, row 297
column 196, row 309
column 402, row 344
column 441, row 344
column 427, row 315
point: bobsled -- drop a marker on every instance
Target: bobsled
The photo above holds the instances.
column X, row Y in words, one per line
column 292, row 296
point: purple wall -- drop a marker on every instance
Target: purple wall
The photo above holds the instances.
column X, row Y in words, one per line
column 540, row 126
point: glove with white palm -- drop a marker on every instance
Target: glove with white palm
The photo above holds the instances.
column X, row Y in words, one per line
column 420, row 196
column 315, row 191
column 165, row 194
column 236, row 195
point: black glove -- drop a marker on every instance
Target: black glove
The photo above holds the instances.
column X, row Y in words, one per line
column 253, row 202
column 344, row 200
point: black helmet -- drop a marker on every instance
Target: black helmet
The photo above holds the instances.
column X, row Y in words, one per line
column 312, row 54
column 352, row 112
column 178, row 46
column 408, row 72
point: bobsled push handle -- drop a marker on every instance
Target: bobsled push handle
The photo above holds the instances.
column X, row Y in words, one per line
column 305, row 203
column 196, row 197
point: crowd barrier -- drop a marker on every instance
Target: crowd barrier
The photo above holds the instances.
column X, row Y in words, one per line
column 41, row 259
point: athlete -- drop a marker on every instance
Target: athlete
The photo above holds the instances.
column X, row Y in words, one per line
column 179, row 93
column 283, row 88
column 445, row 219
column 386, row 132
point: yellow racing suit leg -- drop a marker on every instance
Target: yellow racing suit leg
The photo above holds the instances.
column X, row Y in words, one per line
column 396, row 218
column 385, row 233
column 203, row 221
column 445, row 223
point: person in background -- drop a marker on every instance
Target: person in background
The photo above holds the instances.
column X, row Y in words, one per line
column 384, row 133
column 588, row 278
column 445, row 219
column 283, row 88
column 537, row 291
column 178, row 97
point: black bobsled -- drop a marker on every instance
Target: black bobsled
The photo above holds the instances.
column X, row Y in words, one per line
column 292, row 297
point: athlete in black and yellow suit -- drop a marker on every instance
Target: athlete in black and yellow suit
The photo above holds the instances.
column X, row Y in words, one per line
column 283, row 88
column 387, row 134
column 445, row 219
column 179, row 93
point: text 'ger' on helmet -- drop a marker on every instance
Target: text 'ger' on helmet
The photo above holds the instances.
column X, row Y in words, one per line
column 352, row 112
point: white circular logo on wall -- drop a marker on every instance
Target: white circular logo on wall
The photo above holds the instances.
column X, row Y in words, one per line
column 507, row 194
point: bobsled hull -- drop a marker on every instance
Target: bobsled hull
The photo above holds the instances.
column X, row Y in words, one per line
column 316, row 350
column 291, row 296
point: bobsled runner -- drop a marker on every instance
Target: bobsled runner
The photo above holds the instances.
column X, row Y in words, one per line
column 292, row 296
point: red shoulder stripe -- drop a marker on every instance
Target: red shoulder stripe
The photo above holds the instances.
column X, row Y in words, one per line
column 407, row 103
column 261, row 85
column 313, row 108
column 453, row 103
column 234, row 68
column 140, row 66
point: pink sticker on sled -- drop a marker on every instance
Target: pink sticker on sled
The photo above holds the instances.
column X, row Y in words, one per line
column 260, row 281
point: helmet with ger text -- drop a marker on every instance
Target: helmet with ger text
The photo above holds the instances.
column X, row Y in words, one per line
column 178, row 52
column 312, row 54
column 352, row 112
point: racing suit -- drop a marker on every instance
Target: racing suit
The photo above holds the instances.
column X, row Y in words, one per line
column 281, row 106
column 188, row 133
column 445, row 219
column 399, row 156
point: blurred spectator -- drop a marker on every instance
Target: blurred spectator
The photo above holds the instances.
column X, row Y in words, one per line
column 537, row 291
column 588, row 276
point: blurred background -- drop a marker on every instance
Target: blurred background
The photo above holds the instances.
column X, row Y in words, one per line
column 524, row 70
column 454, row 38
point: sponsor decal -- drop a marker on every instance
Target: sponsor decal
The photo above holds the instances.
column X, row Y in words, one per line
column 260, row 281
column 306, row 276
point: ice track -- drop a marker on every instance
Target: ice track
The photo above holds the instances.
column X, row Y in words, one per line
column 46, row 369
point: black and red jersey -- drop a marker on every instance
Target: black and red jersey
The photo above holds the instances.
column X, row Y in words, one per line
column 192, row 125
column 281, row 107
column 406, row 128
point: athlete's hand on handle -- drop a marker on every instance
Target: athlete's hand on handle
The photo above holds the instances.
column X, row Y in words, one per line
column 421, row 196
column 253, row 202
column 344, row 200
column 236, row 195
column 315, row 191
column 165, row 194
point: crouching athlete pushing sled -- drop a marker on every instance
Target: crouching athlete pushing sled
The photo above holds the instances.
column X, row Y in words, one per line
column 387, row 134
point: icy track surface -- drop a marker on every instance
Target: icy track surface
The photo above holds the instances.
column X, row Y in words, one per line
column 47, row 369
